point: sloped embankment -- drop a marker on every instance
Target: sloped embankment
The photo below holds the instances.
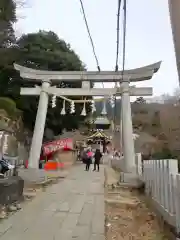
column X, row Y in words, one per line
column 127, row 216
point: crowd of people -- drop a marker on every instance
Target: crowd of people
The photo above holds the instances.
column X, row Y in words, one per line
column 91, row 156
column 117, row 153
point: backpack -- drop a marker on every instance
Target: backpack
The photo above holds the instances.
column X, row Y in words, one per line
column 89, row 154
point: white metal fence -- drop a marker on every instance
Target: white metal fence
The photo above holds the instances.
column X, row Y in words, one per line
column 162, row 184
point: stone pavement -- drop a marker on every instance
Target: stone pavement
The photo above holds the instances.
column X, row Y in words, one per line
column 71, row 209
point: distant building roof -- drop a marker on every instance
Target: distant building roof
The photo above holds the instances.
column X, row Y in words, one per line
column 98, row 134
column 101, row 121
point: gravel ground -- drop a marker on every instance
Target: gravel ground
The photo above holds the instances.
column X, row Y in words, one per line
column 128, row 218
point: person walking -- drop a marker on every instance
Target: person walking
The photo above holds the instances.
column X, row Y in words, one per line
column 84, row 156
column 97, row 158
column 89, row 155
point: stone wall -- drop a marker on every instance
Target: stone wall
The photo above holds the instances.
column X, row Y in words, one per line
column 11, row 190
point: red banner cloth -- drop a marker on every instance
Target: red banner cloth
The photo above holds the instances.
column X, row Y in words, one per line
column 51, row 147
column 50, row 166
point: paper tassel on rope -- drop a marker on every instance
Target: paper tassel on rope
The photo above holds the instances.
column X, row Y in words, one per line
column 53, row 101
column 104, row 111
column 93, row 107
column 72, row 107
column 112, row 101
column 63, row 111
column 83, row 113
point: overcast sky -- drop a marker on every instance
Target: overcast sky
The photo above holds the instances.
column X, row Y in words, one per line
column 149, row 37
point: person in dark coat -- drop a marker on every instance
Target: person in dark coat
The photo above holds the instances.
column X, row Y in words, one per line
column 84, row 156
column 97, row 158
column 89, row 155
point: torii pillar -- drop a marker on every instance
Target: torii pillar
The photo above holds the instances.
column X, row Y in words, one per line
column 39, row 126
column 127, row 128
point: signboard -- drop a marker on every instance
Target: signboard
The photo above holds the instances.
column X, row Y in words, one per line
column 62, row 144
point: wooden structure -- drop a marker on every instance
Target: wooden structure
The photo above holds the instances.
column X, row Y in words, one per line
column 102, row 122
column 98, row 140
column 98, row 137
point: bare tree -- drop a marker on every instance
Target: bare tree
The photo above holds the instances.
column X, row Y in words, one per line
column 170, row 119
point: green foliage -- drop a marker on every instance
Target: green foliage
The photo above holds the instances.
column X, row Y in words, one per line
column 140, row 100
column 42, row 50
column 8, row 105
column 164, row 154
column 7, row 18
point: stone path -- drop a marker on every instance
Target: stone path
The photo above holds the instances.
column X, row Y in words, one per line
column 71, row 209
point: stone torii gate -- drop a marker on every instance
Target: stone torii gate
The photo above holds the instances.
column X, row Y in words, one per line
column 125, row 91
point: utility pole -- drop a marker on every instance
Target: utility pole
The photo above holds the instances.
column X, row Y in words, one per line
column 174, row 9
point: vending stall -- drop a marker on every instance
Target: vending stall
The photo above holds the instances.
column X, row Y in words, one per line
column 55, row 154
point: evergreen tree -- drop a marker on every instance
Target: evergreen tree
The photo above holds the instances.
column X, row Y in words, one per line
column 7, row 19
column 42, row 50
